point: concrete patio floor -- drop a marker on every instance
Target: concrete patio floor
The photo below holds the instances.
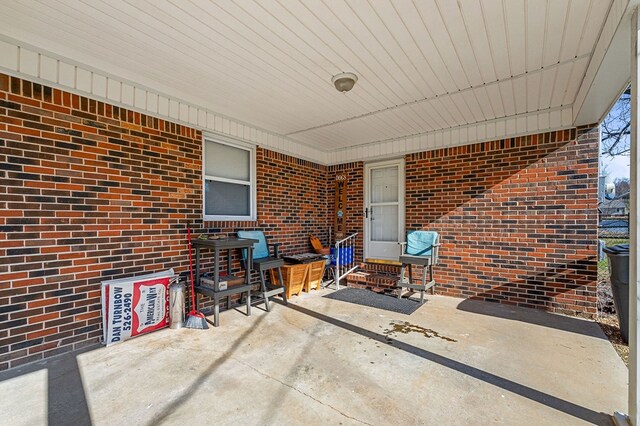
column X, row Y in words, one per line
column 321, row 361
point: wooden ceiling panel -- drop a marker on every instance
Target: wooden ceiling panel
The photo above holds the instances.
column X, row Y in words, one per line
column 591, row 31
column 412, row 19
column 572, row 86
column 493, row 15
column 533, row 91
column 520, row 94
column 577, row 14
column 434, row 120
column 484, row 102
column 535, row 30
column 508, row 97
column 494, row 98
column 515, row 17
column 430, row 13
column 476, row 28
column 547, row 85
column 459, row 36
column 554, row 31
column 562, row 79
column 393, row 32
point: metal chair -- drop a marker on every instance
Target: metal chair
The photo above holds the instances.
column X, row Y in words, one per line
column 262, row 262
column 421, row 249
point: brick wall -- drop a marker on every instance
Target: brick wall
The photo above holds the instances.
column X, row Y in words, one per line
column 292, row 203
column 91, row 192
column 518, row 218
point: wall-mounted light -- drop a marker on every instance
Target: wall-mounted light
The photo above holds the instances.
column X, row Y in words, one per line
column 344, row 81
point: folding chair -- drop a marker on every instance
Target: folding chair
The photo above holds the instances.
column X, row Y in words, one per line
column 421, row 249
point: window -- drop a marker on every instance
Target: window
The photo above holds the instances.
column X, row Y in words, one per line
column 229, row 181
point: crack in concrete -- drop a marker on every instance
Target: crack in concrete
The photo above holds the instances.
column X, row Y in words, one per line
column 300, row 392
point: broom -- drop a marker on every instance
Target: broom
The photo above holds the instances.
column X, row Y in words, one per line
column 195, row 319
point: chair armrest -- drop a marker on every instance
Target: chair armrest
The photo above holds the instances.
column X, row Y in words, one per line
column 403, row 247
column 275, row 248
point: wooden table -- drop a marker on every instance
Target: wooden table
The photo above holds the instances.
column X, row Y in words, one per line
column 217, row 246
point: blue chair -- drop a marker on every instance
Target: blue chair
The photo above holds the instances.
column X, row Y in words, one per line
column 421, row 249
column 263, row 261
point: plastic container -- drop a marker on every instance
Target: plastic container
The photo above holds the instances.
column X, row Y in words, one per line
column 176, row 304
column 619, row 271
column 345, row 256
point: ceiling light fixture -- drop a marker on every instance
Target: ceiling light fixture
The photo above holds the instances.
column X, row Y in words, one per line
column 344, row 81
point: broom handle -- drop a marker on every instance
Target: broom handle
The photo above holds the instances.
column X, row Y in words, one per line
column 193, row 298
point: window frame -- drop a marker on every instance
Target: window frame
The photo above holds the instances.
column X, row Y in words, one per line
column 251, row 183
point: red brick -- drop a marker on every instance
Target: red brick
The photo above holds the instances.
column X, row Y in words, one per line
column 4, row 82
column 43, row 317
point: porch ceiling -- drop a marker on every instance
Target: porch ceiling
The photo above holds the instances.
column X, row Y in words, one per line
column 422, row 65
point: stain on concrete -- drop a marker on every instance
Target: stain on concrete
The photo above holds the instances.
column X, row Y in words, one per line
column 406, row 327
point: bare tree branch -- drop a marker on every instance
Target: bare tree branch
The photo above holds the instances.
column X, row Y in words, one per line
column 616, row 127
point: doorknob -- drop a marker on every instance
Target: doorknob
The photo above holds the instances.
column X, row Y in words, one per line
column 367, row 211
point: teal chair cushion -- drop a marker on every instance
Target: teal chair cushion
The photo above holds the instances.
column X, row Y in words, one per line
column 420, row 243
column 260, row 249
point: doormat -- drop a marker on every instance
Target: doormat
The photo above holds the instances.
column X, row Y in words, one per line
column 372, row 299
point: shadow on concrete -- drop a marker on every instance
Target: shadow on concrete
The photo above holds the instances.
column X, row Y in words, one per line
column 202, row 378
column 566, row 278
column 66, row 399
column 543, row 398
column 533, row 316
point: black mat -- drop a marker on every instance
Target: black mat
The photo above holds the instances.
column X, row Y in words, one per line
column 369, row 298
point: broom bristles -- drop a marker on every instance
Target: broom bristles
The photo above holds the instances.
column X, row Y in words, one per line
column 196, row 320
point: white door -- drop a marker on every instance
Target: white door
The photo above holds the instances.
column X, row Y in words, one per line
column 384, row 210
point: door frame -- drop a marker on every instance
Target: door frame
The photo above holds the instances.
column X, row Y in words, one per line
column 367, row 199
